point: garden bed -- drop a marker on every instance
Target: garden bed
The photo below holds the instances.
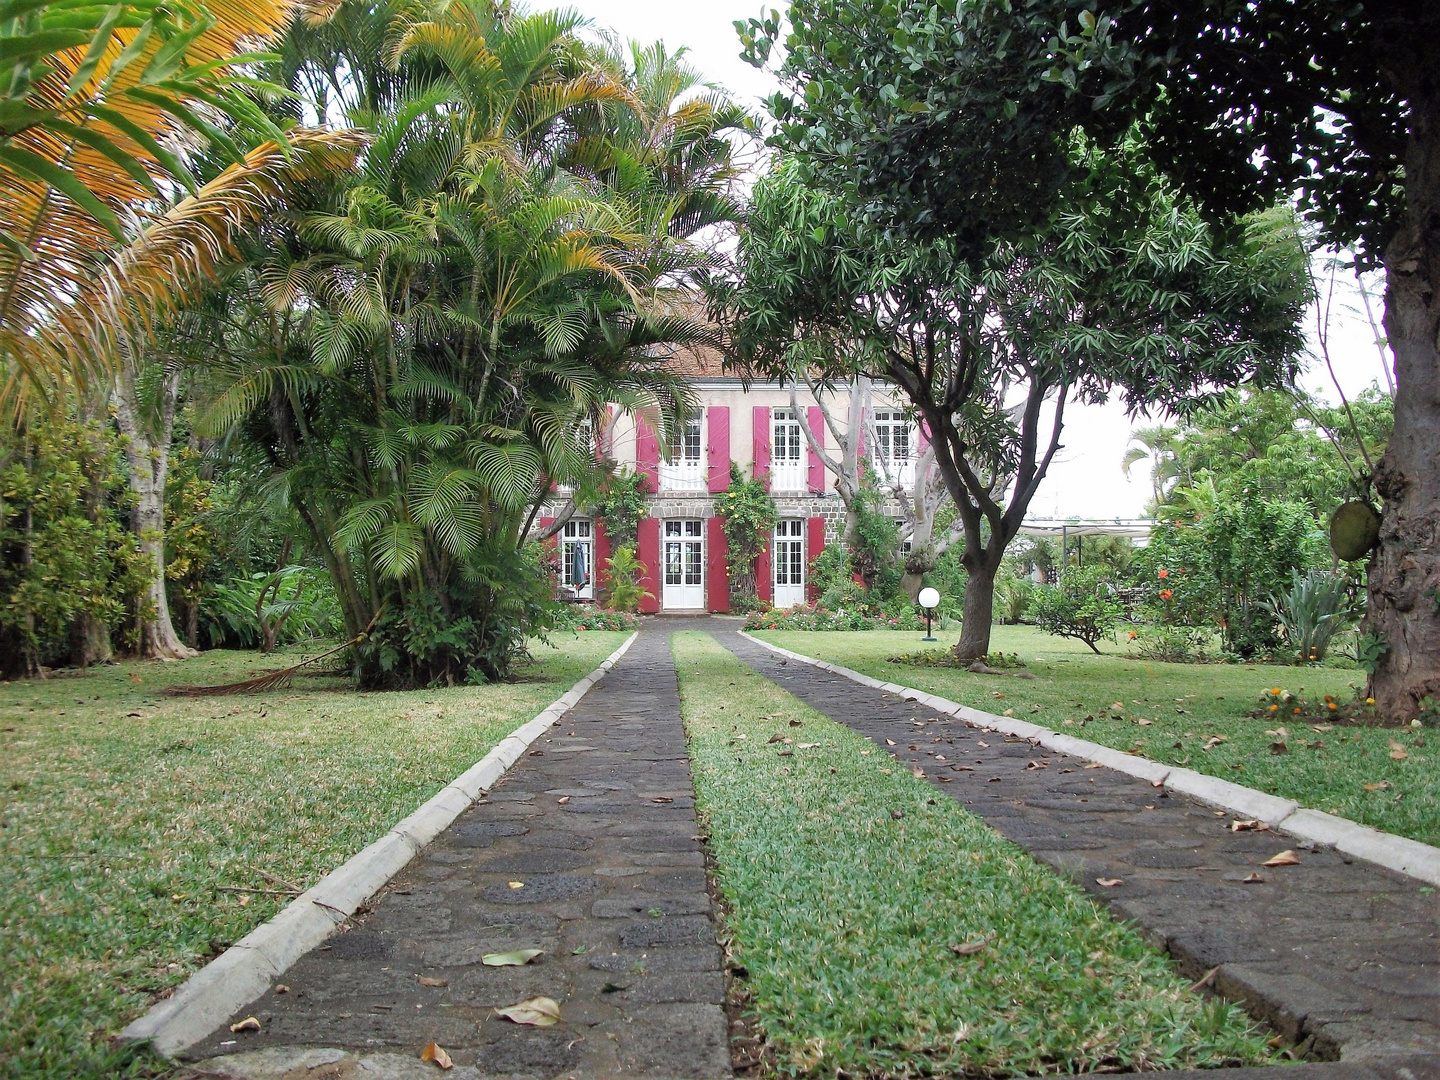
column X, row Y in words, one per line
column 142, row 834
column 1197, row 716
column 887, row 932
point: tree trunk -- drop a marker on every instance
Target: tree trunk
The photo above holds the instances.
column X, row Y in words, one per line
column 148, row 458
column 979, row 610
column 1404, row 572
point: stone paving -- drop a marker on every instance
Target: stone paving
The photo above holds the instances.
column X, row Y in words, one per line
column 598, row 824
column 1342, row 957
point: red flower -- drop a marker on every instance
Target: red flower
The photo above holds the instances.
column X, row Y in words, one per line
column 1166, row 594
column 1163, row 573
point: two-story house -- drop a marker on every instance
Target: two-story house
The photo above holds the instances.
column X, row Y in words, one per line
column 680, row 542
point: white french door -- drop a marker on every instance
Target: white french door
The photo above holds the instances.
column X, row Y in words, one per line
column 577, row 559
column 683, row 587
column 789, row 562
column 787, row 461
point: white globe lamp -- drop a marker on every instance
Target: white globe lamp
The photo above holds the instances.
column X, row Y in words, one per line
column 929, row 599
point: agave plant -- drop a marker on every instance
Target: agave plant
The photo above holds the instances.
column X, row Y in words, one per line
column 1312, row 611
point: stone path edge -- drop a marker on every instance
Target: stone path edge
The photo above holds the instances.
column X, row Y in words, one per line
column 246, row 970
column 1409, row 857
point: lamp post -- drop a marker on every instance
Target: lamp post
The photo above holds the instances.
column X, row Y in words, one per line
column 929, row 599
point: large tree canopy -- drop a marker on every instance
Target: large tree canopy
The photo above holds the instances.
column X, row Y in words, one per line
column 953, row 121
column 1129, row 291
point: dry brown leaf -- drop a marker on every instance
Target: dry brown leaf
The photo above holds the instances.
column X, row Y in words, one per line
column 662, row 799
column 281, row 988
column 436, row 1053
column 1279, row 748
column 1094, row 765
column 969, row 948
column 426, row 980
column 777, row 737
column 1145, row 723
column 1383, row 785
column 889, row 742
column 919, row 774
column 516, row 884
column 1397, row 751
column 806, row 745
column 243, row 899
column 563, row 799
column 248, row 1024
column 1109, row 882
column 1249, row 825
column 1285, row 858
column 1252, row 879
column 534, row 1012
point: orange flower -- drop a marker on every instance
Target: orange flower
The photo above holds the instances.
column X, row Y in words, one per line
column 1163, row 573
column 1133, row 635
column 1166, row 594
column 1274, row 708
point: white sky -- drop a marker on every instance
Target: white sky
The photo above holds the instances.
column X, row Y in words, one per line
column 1086, row 480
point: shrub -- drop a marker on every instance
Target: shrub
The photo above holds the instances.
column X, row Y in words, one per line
column 1311, row 611
column 621, row 506
column 946, row 658
column 623, row 591
column 1081, row 606
column 821, row 618
column 294, row 603
column 1013, row 596
column 589, row 617
column 747, row 514
column 1174, row 644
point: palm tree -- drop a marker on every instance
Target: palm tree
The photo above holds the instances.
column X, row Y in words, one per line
column 440, row 337
column 1161, row 446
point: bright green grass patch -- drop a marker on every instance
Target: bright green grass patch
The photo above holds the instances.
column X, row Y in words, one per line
column 124, row 810
column 845, row 914
column 1323, row 770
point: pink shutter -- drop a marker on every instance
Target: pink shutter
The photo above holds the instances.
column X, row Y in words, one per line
column 647, row 541
column 764, row 578
column 717, row 577
column 760, row 439
column 814, row 545
column 816, row 420
column 718, row 420
column 647, row 456
column 602, row 557
column 922, row 437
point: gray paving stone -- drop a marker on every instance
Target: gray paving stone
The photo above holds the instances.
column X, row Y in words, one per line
column 1340, row 954
column 356, row 1010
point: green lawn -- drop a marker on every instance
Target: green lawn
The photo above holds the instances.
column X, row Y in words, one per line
column 1185, row 705
column 123, row 814
column 849, row 882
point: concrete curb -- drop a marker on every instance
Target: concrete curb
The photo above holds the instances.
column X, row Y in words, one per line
column 1404, row 856
column 246, row 970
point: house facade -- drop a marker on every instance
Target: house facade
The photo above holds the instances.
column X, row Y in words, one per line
column 680, row 542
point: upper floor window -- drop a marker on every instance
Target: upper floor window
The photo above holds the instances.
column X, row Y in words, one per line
column 684, row 472
column 787, row 469
column 894, row 439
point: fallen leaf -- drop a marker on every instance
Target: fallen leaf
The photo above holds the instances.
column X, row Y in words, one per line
column 281, row 988
column 970, row 948
column 796, row 723
column 982, row 742
column 1249, row 825
column 1279, row 748
column 946, row 779
column 1094, row 765
column 535, row 1012
column 436, row 1053
column 518, row 958
column 563, row 799
column 1009, row 712
column 889, row 742
column 919, row 774
column 1145, row 723
column 1383, row 785
column 1109, row 882
column 1285, row 858
column 662, row 799
column 777, row 737
column 806, row 745
column 516, row 884
column 426, row 980
column 1322, row 728
column 249, row 1023
column 1252, row 879
column 244, row 899
column 1397, row 751
column 1089, row 972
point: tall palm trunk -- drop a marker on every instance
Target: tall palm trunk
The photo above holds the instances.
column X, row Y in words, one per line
column 147, row 453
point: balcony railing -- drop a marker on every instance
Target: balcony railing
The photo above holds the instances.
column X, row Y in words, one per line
column 683, row 474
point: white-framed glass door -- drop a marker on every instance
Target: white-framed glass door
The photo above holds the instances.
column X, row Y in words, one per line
column 787, row 458
column 685, row 470
column 683, row 584
column 789, row 562
column 577, row 558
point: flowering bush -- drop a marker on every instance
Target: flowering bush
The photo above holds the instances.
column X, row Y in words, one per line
column 589, row 617
column 818, row 617
column 1277, row 703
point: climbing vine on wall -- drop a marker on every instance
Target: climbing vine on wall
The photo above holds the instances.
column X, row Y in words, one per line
column 747, row 514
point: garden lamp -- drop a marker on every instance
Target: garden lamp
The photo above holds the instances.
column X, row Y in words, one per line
column 929, row 599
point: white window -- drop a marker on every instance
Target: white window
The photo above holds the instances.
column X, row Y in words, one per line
column 577, row 558
column 685, row 469
column 894, row 438
column 789, row 562
column 787, row 460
